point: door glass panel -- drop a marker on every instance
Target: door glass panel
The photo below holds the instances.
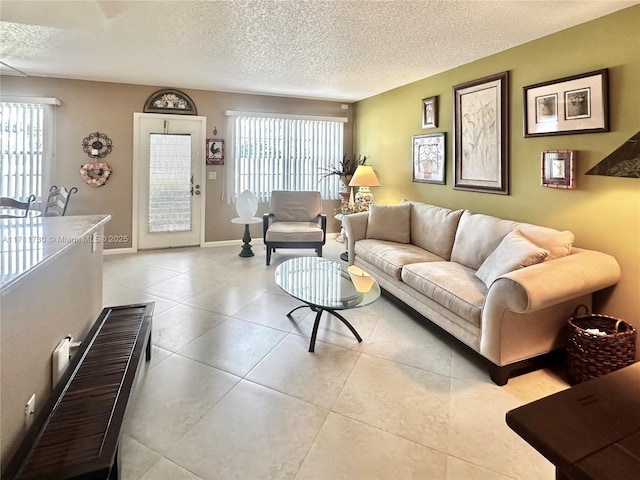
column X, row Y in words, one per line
column 169, row 183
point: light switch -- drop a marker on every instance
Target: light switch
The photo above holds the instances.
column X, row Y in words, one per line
column 213, row 175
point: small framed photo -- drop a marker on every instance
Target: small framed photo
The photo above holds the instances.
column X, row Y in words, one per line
column 429, row 158
column 215, row 151
column 430, row 112
column 576, row 104
column 559, row 169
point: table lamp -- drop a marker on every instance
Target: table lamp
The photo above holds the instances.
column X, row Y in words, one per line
column 364, row 177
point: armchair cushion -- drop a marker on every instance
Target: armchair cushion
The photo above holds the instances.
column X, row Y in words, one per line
column 294, row 232
column 292, row 206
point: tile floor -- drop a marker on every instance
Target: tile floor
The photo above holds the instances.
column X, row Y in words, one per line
column 233, row 393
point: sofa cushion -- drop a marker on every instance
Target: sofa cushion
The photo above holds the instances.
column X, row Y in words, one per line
column 558, row 243
column 513, row 252
column 390, row 257
column 452, row 285
column 433, row 228
column 389, row 222
column 477, row 236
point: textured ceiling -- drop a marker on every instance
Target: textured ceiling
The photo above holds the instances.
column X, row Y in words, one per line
column 343, row 50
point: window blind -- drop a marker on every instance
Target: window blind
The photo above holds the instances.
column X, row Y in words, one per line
column 26, row 139
column 283, row 153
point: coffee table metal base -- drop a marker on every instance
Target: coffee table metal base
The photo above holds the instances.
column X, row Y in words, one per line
column 318, row 311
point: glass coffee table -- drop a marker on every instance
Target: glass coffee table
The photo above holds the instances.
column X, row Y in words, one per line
column 324, row 286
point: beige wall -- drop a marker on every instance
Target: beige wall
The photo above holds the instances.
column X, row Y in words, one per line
column 603, row 213
column 88, row 107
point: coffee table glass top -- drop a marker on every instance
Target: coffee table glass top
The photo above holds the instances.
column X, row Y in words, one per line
column 323, row 283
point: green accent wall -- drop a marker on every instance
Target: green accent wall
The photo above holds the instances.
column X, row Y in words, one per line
column 603, row 212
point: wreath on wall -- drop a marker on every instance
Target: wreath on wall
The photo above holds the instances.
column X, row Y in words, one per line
column 95, row 174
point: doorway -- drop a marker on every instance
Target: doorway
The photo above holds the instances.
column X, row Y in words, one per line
column 168, row 167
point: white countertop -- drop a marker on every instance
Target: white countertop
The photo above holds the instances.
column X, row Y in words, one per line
column 27, row 243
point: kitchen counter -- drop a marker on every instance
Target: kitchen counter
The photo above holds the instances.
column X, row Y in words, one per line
column 29, row 243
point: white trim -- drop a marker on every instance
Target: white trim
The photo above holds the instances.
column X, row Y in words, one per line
column 137, row 118
column 118, row 251
column 236, row 113
column 42, row 100
column 226, row 243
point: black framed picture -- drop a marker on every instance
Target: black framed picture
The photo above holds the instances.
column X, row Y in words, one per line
column 429, row 161
column 576, row 104
column 430, row 112
column 481, row 119
column 215, row 151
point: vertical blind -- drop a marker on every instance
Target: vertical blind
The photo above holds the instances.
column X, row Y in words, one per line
column 22, row 149
column 283, row 153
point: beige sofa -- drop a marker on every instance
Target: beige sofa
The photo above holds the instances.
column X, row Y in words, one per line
column 504, row 288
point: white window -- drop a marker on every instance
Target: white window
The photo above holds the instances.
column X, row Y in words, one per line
column 282, row 152
column 26, row 146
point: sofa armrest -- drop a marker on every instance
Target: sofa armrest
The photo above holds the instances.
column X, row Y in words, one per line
column 556, row 281
column 355, row 227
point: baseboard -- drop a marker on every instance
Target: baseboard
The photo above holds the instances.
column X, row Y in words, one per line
column 118, row 251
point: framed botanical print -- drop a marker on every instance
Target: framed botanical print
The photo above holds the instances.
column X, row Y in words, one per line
column 481, row 144
column 429, row 158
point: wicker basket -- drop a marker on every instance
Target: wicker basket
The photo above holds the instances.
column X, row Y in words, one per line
column 590, row 355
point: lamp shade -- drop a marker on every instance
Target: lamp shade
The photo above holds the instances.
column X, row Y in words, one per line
column 364, row 177
column 246, row 205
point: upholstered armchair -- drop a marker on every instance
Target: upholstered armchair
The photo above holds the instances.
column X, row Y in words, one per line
column 295, row 220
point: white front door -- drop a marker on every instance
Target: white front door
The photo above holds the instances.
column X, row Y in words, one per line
column 169, row 161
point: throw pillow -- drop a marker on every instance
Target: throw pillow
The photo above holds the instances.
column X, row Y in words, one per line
column 513, row 252
column 389, row 222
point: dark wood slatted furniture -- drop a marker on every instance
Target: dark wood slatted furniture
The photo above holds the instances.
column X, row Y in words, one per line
column 590, row 431
column 77, row 433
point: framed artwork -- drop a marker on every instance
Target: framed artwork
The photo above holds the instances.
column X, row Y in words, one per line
column 429, row 158
column 559, row 168
column 170, row 101
column 481, row 144
column 215, row 151
column 577, row 104
column 430, row 112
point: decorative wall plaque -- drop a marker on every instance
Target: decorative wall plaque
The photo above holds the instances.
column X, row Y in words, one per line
column 97, row 145
column 170, row 101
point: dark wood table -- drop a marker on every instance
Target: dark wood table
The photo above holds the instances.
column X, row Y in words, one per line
column 590, row 431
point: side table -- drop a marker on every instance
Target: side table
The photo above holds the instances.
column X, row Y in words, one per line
column 342, row 237
column 590, row 431
column 246, row 238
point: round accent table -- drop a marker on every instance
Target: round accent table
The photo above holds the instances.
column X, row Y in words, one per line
column 246, row 246
column 324, row 286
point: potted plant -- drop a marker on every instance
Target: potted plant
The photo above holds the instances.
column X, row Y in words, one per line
column 345, row 170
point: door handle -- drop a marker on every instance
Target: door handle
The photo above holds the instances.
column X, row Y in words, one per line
column 197, row 192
